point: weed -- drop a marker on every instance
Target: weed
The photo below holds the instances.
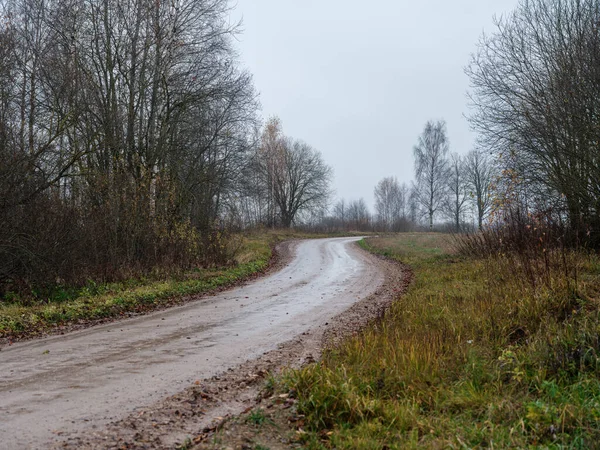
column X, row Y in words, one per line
column 257, row 417
column 270, row 384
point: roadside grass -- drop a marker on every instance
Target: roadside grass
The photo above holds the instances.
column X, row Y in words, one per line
column 28, row 316
column 66, row 305
column 278, row 235
column 473, row 356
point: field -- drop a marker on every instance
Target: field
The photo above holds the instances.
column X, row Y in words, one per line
column 478, row 354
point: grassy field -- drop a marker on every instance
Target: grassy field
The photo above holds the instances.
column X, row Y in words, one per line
column 476, row 355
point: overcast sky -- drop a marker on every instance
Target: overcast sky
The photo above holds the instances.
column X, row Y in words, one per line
column 358, row 80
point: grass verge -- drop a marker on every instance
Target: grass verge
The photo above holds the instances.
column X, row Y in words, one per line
column 67, row 306
column 26, row 317
column 473, row 356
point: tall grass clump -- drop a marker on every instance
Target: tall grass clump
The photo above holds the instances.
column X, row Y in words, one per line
column 535, row 246
column 477, row 353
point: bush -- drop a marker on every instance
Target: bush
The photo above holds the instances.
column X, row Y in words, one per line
column 532, row 246
column 47, row 245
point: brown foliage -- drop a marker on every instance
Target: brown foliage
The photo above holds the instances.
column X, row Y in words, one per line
column 534, row 245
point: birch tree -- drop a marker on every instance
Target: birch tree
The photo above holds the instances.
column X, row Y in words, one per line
column 390, row 202
column 457, row 198
column 431, row 168
column 479, row 175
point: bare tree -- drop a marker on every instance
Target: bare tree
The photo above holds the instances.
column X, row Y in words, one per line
column 479, row 174
column 536, row 100
column 122, row 124
column 358, row 215
column 390, row 201
column 272, row 149
column 293, row 177
column 340, row 213
column 456, row 201
column 413, row 207
column 431, row 168
column 301, row 181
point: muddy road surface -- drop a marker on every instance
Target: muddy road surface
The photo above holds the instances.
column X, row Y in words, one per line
column 83, row 380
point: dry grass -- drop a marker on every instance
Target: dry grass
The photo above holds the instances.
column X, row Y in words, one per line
column 473, row 356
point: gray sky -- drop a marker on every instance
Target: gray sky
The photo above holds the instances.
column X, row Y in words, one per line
column 358, row 80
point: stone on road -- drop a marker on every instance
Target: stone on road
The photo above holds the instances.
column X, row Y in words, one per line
column 85, row 379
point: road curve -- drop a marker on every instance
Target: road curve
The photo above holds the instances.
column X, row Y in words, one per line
column 87, row 378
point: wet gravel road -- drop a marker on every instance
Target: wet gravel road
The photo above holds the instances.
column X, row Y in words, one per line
column 81, row 381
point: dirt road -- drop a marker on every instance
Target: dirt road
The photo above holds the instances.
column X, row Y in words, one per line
column 84, row 380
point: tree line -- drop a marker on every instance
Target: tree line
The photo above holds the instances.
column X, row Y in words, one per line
column 130, row 140
column 450, row 192
column 535, row 104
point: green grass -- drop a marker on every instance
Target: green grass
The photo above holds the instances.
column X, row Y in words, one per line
column 473, row 356
column 100, row 301
column 257, row 417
